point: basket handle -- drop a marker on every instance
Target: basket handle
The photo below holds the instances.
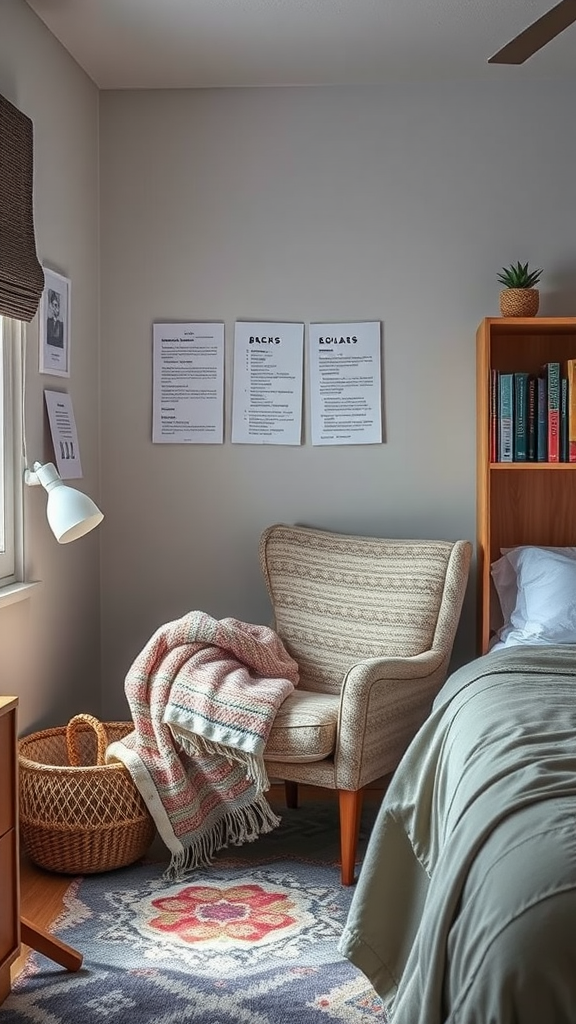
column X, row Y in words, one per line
column 71, row 733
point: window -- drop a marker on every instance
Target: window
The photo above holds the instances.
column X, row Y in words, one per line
column 11, row 336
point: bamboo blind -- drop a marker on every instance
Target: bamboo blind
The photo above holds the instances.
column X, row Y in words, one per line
column 21, row 276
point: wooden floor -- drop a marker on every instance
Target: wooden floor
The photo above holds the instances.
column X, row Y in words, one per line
column 41, row 892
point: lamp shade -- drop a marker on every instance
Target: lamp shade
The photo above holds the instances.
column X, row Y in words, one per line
column 70, row 513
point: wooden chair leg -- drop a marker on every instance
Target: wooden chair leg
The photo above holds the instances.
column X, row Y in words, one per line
column 291, row 793
column 42, row 941
column 350, row 806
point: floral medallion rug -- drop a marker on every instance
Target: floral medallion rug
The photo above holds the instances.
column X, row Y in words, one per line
column 250, row 940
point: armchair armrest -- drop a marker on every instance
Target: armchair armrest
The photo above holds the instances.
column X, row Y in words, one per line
column 370, row 671
column 383, row 703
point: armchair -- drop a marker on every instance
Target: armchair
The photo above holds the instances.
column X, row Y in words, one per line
column 371, row 623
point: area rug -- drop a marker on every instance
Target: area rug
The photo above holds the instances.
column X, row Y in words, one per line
column 251, row 939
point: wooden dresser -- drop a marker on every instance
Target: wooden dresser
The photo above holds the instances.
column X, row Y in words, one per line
column 9, row 903
column 14, row 927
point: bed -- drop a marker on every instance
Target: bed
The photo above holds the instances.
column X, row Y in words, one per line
column 465, row 908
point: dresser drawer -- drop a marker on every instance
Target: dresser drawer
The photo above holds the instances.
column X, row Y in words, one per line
column 9, row 917
column 7, row 773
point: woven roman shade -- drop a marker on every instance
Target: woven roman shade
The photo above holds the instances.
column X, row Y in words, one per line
column 21, row 276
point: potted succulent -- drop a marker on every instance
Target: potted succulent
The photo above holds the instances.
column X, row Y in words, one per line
column 519, row 296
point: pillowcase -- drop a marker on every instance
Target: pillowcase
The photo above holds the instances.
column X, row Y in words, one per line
column 536, row 587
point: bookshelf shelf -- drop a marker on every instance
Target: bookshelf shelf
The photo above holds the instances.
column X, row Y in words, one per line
column 532, row 467
column 517, row 502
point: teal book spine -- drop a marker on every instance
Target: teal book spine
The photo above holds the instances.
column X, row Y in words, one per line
column 541, row 420
column 506, row 417
column 520, row 417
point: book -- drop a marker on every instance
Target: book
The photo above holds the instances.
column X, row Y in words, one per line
column 563, row 419
column 505, row 417
column 493, row 452
column 571, row 375
column 520, row 417
column 532, row 418
column 541, row 420
column 552, row 373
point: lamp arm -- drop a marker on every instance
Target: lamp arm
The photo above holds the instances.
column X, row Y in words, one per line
column 31, row 478
column 45, row 474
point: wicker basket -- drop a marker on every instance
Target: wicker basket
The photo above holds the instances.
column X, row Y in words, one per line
column 78, row 815
column 519, row 301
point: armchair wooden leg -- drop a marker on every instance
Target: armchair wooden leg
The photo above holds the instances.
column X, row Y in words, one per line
column 350, row 806
column 291, row 793
column 42, row 941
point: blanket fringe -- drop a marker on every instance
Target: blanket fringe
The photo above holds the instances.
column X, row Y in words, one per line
column 241, row 825
column 198, row 745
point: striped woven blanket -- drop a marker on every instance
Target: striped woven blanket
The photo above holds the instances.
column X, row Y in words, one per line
column 203, row 694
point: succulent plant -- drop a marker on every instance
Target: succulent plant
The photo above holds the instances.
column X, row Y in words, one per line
column 518, row 276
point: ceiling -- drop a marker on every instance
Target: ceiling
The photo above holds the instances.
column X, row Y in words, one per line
column 139, row 44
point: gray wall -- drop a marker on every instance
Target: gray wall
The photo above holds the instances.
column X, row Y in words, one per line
column 396, row 204
column 50, row 644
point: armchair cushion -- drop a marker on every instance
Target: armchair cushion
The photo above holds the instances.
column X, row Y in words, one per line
column 304, row 728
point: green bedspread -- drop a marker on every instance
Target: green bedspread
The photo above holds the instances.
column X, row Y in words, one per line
column 465, row 909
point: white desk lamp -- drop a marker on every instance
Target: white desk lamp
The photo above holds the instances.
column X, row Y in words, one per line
column 70, row 513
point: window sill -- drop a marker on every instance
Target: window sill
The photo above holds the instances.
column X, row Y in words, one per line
column 17, row 592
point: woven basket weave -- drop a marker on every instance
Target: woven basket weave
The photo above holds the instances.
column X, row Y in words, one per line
column 78, row 815
column 519, row 301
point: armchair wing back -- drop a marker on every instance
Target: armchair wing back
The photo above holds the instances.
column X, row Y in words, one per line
column 338, row 599
column 371, row 623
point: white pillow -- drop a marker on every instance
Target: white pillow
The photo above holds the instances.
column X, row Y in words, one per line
column 506, row 584
column 537, row 591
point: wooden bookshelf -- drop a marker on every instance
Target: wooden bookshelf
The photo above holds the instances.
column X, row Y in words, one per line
column 518, row 502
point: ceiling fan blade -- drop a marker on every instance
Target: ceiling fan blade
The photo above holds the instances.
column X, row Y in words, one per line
column 537, row 35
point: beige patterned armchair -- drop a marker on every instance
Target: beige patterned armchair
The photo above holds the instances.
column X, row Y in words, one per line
column 371, row 623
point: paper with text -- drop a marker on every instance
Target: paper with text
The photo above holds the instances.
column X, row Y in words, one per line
column 268, row 382
column 188, row 387
column 345, row 383
column 64, row 435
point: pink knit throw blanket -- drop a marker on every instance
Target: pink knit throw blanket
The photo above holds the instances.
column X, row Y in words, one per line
column 203, row 694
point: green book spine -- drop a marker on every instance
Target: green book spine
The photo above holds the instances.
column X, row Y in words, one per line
column 520, row 417
column 552, row 371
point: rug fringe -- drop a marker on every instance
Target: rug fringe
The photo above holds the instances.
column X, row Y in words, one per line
column 238, row 826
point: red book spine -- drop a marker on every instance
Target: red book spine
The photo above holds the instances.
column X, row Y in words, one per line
column 553, row 377
column 553, row 435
